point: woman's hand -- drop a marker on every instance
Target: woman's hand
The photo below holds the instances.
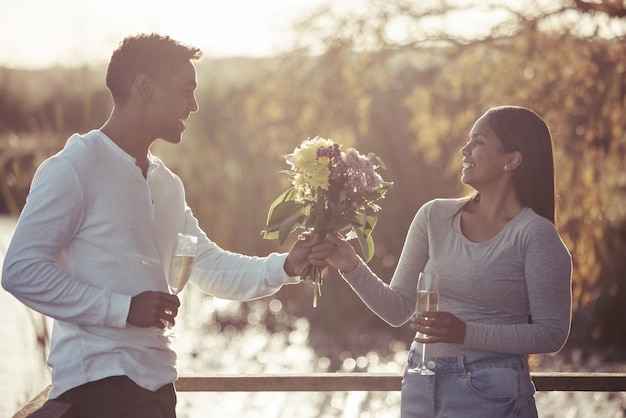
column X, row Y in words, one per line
column 440, row 327
column 337, row 252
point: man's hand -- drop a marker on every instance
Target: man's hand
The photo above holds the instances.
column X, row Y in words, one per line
column 148, row 309
column 298, row 257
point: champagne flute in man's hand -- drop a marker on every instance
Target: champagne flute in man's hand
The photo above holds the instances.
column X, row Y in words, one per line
column 180, row 267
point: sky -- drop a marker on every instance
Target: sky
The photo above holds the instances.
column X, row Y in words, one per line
column 41, row 33
column 44, row 33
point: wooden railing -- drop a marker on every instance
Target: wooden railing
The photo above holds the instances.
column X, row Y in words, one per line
column 40, row 407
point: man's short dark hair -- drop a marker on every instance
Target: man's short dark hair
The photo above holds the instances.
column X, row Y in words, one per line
column 152, row 54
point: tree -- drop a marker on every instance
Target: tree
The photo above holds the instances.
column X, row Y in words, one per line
column 564, row 62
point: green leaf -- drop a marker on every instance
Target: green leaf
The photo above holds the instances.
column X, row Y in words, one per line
column 367, row 244
column 379, row 193
column 282, row 212
column 269, row 234
column 282, row 208
column 339, row 224
column 365, row 221
column 352, row 217
column 371, row 216
column 288, row 225
column 376, row 160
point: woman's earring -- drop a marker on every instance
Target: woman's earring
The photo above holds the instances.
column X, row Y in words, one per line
column 506, row 168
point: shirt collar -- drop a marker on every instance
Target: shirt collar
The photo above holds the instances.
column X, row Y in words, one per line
column 152, row 160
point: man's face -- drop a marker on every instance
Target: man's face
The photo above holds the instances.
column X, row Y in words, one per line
column 172, row 103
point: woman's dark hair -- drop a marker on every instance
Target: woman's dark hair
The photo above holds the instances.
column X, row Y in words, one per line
column 152, row 54
column 521, row 129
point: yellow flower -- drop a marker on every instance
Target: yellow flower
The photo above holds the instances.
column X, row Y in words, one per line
column 311, row 172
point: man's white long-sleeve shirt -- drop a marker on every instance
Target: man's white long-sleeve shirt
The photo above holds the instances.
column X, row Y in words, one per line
column 94, row 233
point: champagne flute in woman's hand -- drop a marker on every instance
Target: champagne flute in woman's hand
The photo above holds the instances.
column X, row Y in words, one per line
column 180, row 267
column 427, row 300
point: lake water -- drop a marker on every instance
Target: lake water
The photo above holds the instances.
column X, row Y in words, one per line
column 205, row 347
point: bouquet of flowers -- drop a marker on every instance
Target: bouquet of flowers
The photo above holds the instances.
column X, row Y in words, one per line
column 332, row 191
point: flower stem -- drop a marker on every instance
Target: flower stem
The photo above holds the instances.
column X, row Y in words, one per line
column 317, row 286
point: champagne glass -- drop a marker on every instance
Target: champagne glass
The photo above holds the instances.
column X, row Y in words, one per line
column 180, row 268
column 427, row 300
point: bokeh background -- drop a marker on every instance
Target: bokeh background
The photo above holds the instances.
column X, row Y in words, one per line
column 403, row 79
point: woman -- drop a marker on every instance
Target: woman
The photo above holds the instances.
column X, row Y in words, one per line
column 505, row 276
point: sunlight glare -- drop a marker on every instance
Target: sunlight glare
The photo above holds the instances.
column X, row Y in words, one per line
column 40, row 33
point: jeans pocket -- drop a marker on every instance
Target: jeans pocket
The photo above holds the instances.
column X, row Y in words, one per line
column 494, row 384
column 408, row 365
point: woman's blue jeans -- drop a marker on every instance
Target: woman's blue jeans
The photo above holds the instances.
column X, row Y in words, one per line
column 480, row 386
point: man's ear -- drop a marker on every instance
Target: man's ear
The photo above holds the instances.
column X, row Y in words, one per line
column 143, row 86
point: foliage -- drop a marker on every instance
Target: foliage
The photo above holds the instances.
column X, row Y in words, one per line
column 543, row 61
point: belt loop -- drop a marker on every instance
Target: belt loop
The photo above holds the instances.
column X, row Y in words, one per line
column 461, row 362
column 526, row 365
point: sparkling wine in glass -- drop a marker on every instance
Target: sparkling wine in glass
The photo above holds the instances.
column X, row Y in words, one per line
column 180, row 267
column 180, row 270
column 427, row 300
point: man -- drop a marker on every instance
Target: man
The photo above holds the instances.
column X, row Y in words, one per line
column 95, row 238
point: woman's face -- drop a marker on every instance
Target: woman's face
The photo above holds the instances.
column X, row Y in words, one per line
column 484, row 157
